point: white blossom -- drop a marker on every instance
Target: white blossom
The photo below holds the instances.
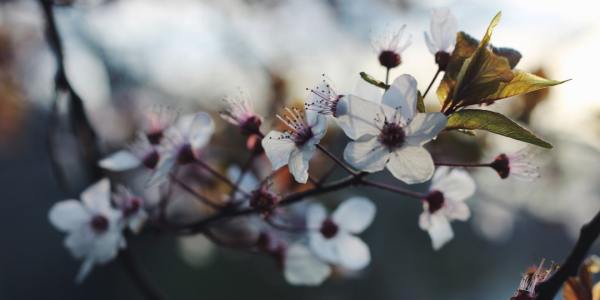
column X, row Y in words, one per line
column 519, row 164
column 133, row 208
column 239, row 112
column 140, row 152
column 390, row 46
column 391, row 134
column 302, row 267
column 296, row 146
column 333, row 238
column 443, row 29
column 93, row 227
column 444, row 203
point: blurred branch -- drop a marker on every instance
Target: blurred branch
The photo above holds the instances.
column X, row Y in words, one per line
column 78, row 120
column 548, row 289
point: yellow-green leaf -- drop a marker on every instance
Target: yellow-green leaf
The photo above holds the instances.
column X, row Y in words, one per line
column 370, row 79
column 494, row 122
column 522, row 83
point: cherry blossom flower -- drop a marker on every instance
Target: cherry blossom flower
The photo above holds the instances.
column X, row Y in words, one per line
column 132, row 208
column 518, row 164
column 240, row 113
column 392, row 134
column 531, row 279
column 296, row 146
column 156, row 121
column 333, row 239
column 443, row 29
column 93, row 226
column 389, row 46
column 186, row 138
column 140, row 153
column 444, row 203
column 302, row 267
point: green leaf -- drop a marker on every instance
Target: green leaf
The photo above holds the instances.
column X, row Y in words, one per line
column 471, row 119
column 482, row 73
column 420, row 102
column 370, row 79
column 522, row 83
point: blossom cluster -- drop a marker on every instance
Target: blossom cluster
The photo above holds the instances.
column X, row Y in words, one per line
column 249, row 207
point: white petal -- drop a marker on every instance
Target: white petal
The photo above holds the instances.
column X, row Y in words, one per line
column 299, row 161
column 411, row 164
column 107, row 246
column 402, row 95
column 355, row 214
column 96, row 198
column 457, row 210
column 440, row 231
column 353, row 253
column 162, row 170
column 425, row 219
column 68, row 215
column 367, row 154
column 201, row 130
column 137, row 221
column 318, row 127
column 196, row 250
column 301, row 267
column 248, row 183
column 80, row 242
column 443, row 28
column 368, row 91
column 120, row 161
column 278, row 148
column 360, row 117
column 455, row 184
column 325, row 248
column 430, row 45
column 84, row 270
column 424, row 127
column 315, row 215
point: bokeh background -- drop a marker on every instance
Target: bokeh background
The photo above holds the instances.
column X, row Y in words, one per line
column 124, row 55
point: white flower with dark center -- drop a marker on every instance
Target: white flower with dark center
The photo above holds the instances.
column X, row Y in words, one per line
column 519, row 164
column 239, row 112
column 93, row 226
column 390, row 46
column 296, row 146
column 140, row 153
column 156, row 121
column 302, row 267
column 132, row 207
column 443, row 29
column 444, row 203
column 183, row 143
column 333, row 238
column 392, row 134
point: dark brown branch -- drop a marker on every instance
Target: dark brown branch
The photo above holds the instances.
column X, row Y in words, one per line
column 138, row 277
column 548, row 289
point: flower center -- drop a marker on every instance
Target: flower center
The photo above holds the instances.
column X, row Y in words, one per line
column 185, row 154
column 392, row 135
column 502, row 165
column 329, row 229
column 263, row 199
column 442, row 58
column 99, row 223
column 251, row 125
column 132, row 206
column 389, row 59
column 435, row 201
column 154, row 137
column 151, row 159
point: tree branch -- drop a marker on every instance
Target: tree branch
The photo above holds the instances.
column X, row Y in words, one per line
column 589, row 233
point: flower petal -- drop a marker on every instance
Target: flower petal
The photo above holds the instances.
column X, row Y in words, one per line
column 318, row 127
column 96, row 198
column 160, row 173
column 278, row 148
column 201, row 130
column 301, row 267
column 355, row 214
column 353, row 253
column 299, row 162
column 367, row 154
column 368, row 91
column 325, row 248
column 107, row 246
column 443, row 28
column 120, row 161
column 84, row 270
column 411, row 164
column 440, row 231
column 68, row 215
column 424, row 127
column 315, row 215
column 359, row 116
column 430, row 45
column 402, row 96
column 457, row 210
column 455, row 184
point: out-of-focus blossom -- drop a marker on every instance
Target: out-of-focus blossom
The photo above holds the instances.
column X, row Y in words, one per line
column 296, row 146
column 444, row 203
column 239, row 112
column 183, row 143
column 443, row 28
column 140, row 152
column 302, row 267
column 519, row 164
column 156, row 121
column 333, row 238
column 93, row 226
column 392, row 134
column 132, row 207
column 390, row 46
column 197, row 251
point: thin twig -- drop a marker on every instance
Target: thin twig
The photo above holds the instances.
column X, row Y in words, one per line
column 221, row 177
column 338, row 161
column 194, row 193
column 432, row 81
column 393, row 189
column 548, row 289
column 464, row 165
